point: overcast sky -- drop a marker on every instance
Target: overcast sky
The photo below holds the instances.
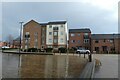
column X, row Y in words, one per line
column 101, row 16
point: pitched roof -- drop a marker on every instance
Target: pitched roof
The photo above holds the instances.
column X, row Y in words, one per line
column 30, row 21
column 105, row 36
column 43, row 24
column 80, row 30
column 17, row 39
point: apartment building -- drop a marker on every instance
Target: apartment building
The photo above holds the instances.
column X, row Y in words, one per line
column 45, row 35
column 80, row 38
column 105, row 43
column 56, row 35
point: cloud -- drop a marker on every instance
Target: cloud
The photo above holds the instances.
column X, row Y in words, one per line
column 78, row 14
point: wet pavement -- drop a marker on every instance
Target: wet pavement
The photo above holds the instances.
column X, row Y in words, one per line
column 40, row 66
column 109, row 68
column 0, row 65
column 10, row 63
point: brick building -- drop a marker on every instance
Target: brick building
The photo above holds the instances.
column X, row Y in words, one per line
column 45, row 35
column 105, row 43
column 16, row 42
column 55, row 35
column 80, row 38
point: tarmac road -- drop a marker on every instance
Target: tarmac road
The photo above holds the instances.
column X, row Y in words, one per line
column 109, row 68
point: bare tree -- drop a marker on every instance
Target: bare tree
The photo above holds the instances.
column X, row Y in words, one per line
column 10, row 39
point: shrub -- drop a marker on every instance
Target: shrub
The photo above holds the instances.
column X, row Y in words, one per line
column 62, row 50
column 9, row 48
column 71, row 50
column 25, row 50
column 32, row 50
column 49, row 49
column 74, row 48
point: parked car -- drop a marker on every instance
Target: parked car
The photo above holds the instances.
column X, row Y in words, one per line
column 5, row 47
column 82, row 51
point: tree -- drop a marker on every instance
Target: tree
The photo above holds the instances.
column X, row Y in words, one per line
column 10, row 39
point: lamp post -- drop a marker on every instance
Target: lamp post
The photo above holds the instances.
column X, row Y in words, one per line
column 20, row 35
column 114, row 41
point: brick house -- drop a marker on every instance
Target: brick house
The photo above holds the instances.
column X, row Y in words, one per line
column 102, row 43
column 44, row 35
column 3, row 44
column 16, row 42
column 80, row 38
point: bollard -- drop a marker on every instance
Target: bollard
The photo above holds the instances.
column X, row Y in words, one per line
column 90, row 57
column 84, row 55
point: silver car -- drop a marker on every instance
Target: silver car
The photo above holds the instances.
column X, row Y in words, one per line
column 83, row 51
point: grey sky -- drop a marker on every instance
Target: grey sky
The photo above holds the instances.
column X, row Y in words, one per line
column 78, row 15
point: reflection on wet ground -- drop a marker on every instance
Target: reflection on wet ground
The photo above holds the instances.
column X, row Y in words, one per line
column 41, row 66
column 10, row 65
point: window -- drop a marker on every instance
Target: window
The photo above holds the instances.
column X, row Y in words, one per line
column 78, row 34
column 50, row 40
column 78, row 41
column 72, row 34
column 35, row 45
column 35, row 34
column 86, row 40
column 49, row 46
column 55, row 33
column 43, row 29
column 104, row 40
column 55, row 40
column 61, row 33
column 26, row 41
column 27, row 35
column 72, row 41
column 96, row 41
column 50, row 33
column 26, row 47
column 55, row 28
column 62, row 26
column 86, row 34
column 50, row 26
column 43, row 41
column 111, row 40
column 35, row 40
column 97, row 49
column 61, row 40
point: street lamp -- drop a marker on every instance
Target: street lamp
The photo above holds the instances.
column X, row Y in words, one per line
column 114, row 41
column 20, row 35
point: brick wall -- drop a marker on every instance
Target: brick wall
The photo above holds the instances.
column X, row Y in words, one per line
column 32, row 27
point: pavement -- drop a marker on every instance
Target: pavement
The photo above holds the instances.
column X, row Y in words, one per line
column 88, row 71
column 109, row 68
column 0, row 65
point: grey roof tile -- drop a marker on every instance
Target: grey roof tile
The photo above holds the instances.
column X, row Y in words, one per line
column 105, row 36
column 79, row 30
